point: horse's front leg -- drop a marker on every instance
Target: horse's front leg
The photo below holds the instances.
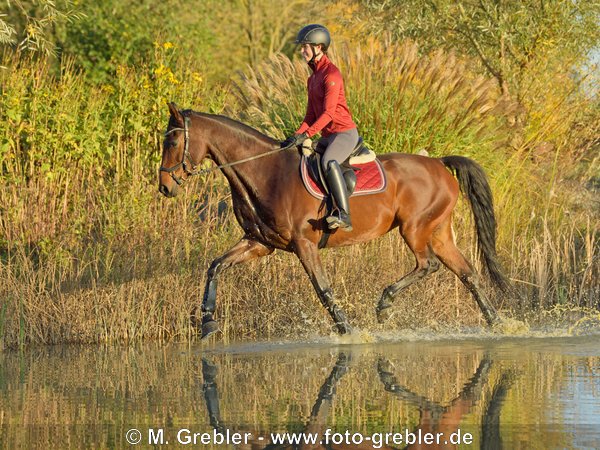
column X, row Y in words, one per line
column 245, row 250
column 308, row 254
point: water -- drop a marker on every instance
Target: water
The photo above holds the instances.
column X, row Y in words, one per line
column 519, row 393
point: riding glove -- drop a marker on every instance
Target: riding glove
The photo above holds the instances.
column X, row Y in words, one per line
column 294, row 140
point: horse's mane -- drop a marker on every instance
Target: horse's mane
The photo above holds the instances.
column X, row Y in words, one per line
column 237, row 127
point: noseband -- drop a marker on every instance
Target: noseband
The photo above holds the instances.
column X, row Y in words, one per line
column 186, row 155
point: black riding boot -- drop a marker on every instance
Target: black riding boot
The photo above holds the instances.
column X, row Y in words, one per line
column 340, row 214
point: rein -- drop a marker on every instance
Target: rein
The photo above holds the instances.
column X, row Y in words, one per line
column 188, row 157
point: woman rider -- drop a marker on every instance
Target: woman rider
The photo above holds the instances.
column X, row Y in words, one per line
column 327, row 113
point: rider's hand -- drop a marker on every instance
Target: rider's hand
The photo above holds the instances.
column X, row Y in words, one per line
column 294, row 140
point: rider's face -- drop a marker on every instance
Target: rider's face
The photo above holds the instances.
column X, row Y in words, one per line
column 307, row 51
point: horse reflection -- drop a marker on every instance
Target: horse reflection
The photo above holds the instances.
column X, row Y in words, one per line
column 316, row 423
column 434, row 418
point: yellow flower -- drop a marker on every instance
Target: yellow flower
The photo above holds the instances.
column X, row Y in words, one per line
column 107, row 88
column 165, row 45
column 197, row 77
column 164, row 72
column 172, row 78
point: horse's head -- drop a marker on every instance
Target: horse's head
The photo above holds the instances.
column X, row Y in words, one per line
column 181, row 153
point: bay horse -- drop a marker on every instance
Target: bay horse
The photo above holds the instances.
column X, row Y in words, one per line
column 276, row 211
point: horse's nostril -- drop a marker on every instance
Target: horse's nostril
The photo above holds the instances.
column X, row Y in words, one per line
column 163, row 189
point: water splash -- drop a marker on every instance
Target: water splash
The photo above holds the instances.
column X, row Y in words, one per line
column 511, row 327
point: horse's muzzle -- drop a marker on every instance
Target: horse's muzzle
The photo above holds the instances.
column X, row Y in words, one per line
column 164, row 190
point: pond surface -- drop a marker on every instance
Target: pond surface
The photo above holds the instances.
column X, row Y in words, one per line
column 519, row 393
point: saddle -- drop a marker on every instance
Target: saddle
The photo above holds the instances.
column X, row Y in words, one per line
column 362, row 170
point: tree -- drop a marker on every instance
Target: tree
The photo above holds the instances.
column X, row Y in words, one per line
column 250, row 31
column 507, row 37
column 116, row 33
column 30, row 24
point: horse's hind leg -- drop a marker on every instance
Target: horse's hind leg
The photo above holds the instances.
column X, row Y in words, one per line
column 426, row 261
column 245, row 250
column 444, row 247
column 308, row 254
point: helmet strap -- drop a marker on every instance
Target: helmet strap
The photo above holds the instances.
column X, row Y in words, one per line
column 314, row 50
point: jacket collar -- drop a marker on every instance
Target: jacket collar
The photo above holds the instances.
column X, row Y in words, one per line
column 318, row 65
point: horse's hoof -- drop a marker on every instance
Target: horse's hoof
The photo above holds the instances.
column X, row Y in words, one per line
column 343, row 328
column 209, row 370
column 209, row 328
column 385, row 367
column 383, row 314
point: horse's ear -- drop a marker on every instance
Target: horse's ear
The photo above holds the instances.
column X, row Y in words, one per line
column 174, row 110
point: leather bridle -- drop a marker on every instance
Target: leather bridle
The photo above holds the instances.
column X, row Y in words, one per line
column 187, row 157
column 188, row 170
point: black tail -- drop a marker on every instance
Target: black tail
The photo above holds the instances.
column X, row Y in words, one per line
column 474, row 185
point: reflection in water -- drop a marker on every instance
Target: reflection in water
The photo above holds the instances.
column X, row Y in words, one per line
column 513, row 394
column 434, row 419
column 316, row 425
column 490, row 428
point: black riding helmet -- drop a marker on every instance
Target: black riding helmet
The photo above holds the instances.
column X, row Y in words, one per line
column 314, row 34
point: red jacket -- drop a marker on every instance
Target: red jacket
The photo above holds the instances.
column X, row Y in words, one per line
column 327, row 111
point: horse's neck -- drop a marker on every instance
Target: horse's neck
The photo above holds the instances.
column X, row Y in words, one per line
column 227, row 147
